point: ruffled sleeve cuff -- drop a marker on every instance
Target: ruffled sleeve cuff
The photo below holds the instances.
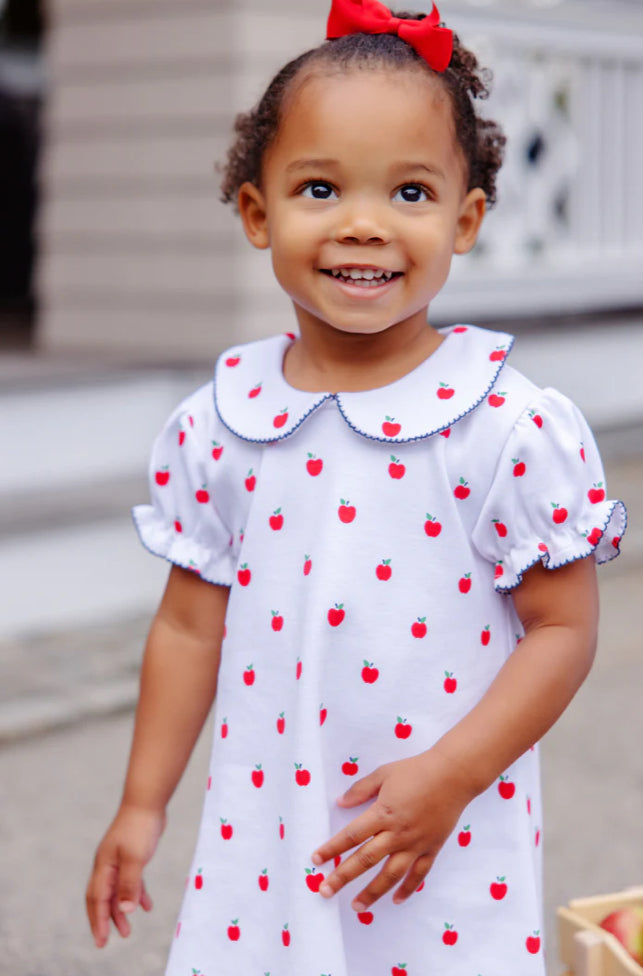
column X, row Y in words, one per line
column 183, row 524
column 547, row 501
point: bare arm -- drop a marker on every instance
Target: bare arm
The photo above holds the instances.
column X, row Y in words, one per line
column 417, row 801
column 559, row 612
column 178, row 685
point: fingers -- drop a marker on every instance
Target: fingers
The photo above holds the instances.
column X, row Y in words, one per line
column 418, row 872
column 393, row 870
column 364, row 858
column 354, row 833
column 100, row 892
column 130, row 884
column 362, row 790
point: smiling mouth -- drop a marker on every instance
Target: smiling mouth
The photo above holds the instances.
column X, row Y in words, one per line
column 362, row 277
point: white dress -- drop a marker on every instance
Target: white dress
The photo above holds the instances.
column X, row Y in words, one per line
column 370, row 541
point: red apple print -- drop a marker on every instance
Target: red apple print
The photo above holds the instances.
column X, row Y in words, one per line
column 217, row 450
column 314, row 465
column 616, row 541
column 497, row 399
column 244, row 575
column 209, row 786
column 446, row 433
column 365, row 917
column 384, row 571
column 464, row 583
column 198, row 880
column 276, row 520
column 282, row 829
column 537, row 837
column 537, row 419
column 162, row 477
column 234, row 932
column 542, row 547
column 177, row 525
column 420, row 887
column 594, row 537
column 445, row 392
column 337, row 860
column 582, row 451
column 418, row 629
column 226, row 829
column 462, row 491
column 346, row 512
column 314, row 880
column 500, row 528
column 254, row 392
column 224, row 729
column 350, row 767
column 285, row 936
column 529, row 805
column 302, row 776
column 498, row 889
column 449, row 936
column 263, row 880
column 281, row 723
column 249, row 675
column 533, row 943
column 277, row 621
column 308, row 565
column 432, row 527
column 202, row 495
column 323, row 714
column 485, row 636
column 233, row 361
column 506, row 788
column 178, row 930
column 298, row 669
column 194, row 568
column 519, row 467
column 498, row 354
column 464, row 837
column 281, row 418
column 257, row 777
column 499, row 570
column 369, row 673
column 191, row 420
column 399, row 970
column 450, row 683
column 559, row 514
column 389, row 428
column 290, row 335
column 395, row 469
column 336, row 614
column 403, row 729
column 596, row 494
column 460, row 328
column 250, row 481
column 181, row 437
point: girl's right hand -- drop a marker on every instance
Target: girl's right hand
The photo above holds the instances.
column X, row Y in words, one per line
column 116, row 884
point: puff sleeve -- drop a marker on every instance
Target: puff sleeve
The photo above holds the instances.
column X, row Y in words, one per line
column 182, row 523
column 547, row 500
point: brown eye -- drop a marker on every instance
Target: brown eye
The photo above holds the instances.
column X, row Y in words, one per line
column 318, row 190
column 411, row 193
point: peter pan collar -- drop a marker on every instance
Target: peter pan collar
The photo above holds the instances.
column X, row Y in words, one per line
column 254, row 401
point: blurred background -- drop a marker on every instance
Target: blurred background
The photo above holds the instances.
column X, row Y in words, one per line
column 122, row 277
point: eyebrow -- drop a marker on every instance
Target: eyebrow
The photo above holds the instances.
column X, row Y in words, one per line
column 402, row 167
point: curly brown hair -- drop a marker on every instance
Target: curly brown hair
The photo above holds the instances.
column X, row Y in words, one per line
column 481, row 140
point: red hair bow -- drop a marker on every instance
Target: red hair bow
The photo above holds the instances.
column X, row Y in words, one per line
column 432, row 42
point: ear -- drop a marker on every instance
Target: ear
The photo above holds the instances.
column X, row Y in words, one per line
column 472, row 212
column 252, row 210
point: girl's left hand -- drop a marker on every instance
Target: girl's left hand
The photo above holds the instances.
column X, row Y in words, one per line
column 417, row 805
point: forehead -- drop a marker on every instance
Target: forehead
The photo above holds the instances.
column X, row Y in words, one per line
column 368, row 113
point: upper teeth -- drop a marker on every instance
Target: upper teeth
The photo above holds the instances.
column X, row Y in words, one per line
column 358, row 273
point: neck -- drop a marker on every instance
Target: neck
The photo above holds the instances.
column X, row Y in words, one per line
column 325, row 359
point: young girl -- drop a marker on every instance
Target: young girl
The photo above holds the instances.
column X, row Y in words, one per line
column 400, row 533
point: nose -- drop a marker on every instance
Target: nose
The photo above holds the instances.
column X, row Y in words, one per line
column 361, row 222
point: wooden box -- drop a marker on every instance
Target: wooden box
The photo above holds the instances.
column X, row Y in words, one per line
column 584, row 947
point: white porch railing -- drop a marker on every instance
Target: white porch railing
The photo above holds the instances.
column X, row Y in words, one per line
column 567, row 233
